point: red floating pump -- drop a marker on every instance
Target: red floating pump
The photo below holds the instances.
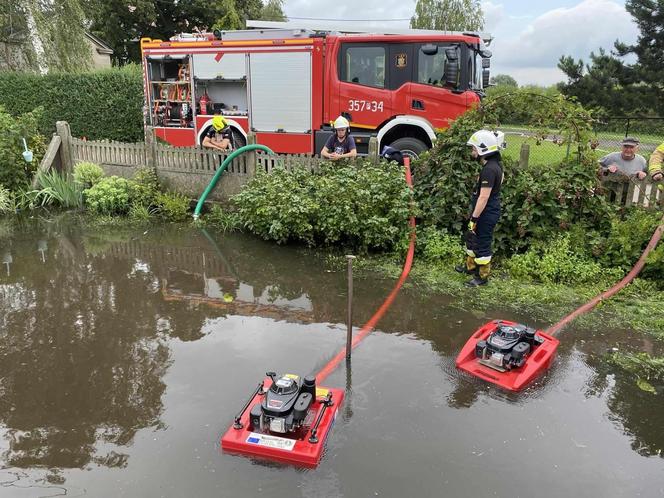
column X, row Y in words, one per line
column 507, row 354
column 289, row 418
column 286, row 419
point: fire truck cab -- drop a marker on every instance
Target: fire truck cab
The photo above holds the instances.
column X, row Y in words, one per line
column 287, row 85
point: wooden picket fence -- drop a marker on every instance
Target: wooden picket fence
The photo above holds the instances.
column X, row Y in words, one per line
column 160, row 156
column 200, row 164
column 632, row 192
column 267, row 162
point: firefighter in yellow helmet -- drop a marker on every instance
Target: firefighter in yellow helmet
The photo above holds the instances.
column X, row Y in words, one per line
column 656, row 164
column 219, row 135
column 341, row 145
column 484, row 206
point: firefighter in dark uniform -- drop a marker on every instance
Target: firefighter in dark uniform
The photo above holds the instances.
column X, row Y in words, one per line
column 484, row 206
column 219, row 135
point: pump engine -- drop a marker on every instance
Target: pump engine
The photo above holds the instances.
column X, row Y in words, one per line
column 285, row 405
column 508, row 346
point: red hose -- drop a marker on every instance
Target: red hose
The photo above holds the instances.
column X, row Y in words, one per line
column 554, row 329
column 369, row 326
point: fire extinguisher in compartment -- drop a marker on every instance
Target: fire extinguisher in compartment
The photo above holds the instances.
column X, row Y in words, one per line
column 205, row 103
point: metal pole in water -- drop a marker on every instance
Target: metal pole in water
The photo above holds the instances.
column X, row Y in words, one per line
column 349, row 322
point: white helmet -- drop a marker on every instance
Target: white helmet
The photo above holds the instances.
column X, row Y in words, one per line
column 341, row 122
column 486, row 142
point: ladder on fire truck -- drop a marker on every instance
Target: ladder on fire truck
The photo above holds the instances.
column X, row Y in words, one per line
column 270, row 30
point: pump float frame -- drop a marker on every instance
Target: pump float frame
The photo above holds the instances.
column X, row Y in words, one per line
column 511, row 378
column 303, row 447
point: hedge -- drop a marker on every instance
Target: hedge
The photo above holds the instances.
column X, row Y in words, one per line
column 103, row 104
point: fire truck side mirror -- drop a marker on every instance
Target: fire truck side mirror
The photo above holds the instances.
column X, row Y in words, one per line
column 485, row 78
column 451, row 67
column 486, row 63
column 429, row 49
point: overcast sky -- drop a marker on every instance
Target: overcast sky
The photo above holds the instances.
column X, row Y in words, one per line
column 529, row 36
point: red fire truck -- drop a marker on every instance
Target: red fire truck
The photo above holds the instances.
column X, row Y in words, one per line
column 286, row 86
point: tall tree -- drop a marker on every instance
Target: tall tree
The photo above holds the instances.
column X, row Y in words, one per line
column 62, row 34
column 230, row 19
column 44, row 35
column 122, row 23
column 15, row 38
column 249, row 9
column 607, row 81
column 504, row 80
column 273, row 11
column 449, row 15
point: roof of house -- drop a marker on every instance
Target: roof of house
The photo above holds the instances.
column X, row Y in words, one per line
column 100, row 45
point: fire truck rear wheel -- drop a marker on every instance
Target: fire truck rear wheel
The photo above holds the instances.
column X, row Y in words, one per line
column 409, row 146
column 238, row 139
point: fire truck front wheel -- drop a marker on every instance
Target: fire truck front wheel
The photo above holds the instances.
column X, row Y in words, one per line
column 409, row 146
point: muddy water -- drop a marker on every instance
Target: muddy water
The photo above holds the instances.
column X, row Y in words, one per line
column 125, row 354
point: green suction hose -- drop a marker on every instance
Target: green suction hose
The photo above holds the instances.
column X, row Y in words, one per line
column 222, row 168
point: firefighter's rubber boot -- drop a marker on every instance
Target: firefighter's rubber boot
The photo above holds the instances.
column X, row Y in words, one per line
column 482, row 277
column 470, row 268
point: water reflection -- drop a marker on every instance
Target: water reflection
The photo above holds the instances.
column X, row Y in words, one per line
column 639, row 413
column 82, row 356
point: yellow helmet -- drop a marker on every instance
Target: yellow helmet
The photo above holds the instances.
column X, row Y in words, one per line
column 219, row 123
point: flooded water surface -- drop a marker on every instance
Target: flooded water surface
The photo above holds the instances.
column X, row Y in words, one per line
column 125, row 354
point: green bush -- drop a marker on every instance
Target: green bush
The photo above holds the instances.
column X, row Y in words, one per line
column 110, row 196
column 627, row 238
column 279, row 206
column 87, row 174
column 223, row 219
column 145, row 187
column 140, row 212
column 172, row 206
column 59, row 189
column 102, row 104
column 15, row 172
column 554, row 262
column 362, row 205
column 537, row 201
column 436, row 246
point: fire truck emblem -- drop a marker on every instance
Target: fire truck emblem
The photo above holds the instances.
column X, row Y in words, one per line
column 401, row 61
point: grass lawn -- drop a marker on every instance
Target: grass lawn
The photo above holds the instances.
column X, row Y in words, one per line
column 546, row 153
column 608, row 135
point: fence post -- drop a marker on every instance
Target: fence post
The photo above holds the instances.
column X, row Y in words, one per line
column 150, row 148
column 524, row 156
column 64, row 132
column 251, row 156
column 373, row 149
